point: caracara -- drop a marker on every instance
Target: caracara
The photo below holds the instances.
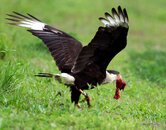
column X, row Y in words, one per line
column 82, row 67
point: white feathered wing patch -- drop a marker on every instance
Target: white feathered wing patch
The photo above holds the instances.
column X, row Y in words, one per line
column 35, row 25
column 117, row 19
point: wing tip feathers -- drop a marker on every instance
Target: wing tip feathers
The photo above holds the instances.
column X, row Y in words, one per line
column 119, row 17
column 27, row 21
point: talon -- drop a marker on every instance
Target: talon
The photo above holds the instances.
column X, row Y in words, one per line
column 88, row 99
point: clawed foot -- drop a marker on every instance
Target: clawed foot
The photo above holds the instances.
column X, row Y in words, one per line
column 88, row 100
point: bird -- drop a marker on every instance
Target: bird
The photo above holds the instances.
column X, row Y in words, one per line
column 82, row 67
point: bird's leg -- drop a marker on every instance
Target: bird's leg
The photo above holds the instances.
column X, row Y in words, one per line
column 87, row 98
column 75, row 94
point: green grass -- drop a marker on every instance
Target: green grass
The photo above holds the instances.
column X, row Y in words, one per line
column 28, row 102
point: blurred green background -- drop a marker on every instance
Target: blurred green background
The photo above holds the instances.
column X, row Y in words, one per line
column 27, row 102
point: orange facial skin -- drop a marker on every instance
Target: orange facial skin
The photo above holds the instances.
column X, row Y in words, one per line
column 120, row 85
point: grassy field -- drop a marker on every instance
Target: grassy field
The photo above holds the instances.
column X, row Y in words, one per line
column 28, row 102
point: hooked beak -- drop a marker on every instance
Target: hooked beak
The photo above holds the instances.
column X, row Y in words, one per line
column 120, row 84
column 123, row 85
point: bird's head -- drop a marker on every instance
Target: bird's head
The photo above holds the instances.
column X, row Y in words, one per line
column 112, row 75
column 120, row 85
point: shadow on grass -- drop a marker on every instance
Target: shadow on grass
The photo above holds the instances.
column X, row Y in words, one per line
column 149, row 65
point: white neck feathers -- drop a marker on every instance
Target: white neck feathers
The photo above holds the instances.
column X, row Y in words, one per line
column 109, row 78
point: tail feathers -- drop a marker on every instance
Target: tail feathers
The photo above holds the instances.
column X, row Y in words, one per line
column 62, row 78
column 48, row 75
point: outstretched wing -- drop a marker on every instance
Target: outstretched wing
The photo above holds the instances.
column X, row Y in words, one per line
column 63, row 47
column 107, row 42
